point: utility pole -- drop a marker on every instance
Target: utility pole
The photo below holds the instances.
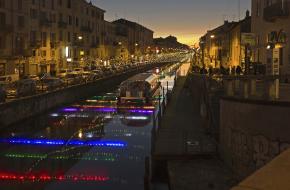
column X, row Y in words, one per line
column 239, row 9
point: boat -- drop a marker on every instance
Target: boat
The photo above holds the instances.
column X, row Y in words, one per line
column 138, row 90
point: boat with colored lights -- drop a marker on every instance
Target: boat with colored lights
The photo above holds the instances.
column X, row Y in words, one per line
column 138, row 90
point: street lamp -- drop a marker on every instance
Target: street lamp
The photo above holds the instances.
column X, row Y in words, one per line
column 212, row 36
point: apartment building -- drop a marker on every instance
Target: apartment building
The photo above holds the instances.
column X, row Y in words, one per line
column 44, row 36
column 271, row 24
column 138, row 38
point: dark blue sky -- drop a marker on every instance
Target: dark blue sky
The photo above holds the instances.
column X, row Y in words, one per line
column 186, row 19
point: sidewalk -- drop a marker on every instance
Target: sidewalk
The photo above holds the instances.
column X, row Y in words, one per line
column 181, row 133
column 190, row 154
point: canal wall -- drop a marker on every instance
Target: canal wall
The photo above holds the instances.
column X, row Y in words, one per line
column 252, row 133
column 15, row 111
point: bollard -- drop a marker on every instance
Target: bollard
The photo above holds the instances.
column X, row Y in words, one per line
column 229, row 87
column 273, row 87
column 253, row 88
column 245, row 88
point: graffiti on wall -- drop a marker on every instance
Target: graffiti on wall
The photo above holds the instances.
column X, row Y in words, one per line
column 250, row 152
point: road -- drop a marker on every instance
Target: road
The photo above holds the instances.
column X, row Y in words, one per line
column 86, row 145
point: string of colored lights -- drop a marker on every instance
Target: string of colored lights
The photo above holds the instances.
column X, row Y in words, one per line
column 118, row 144
column 46, row 177
column 116, row 107
column 104, row 109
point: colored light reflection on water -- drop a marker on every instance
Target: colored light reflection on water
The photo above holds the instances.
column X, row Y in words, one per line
column 46, row 177
column 23, row 141
column 45, row 156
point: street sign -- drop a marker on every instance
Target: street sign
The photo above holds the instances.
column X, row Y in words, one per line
column 248, row 39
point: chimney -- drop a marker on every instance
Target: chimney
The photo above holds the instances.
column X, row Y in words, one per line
column 247, row 14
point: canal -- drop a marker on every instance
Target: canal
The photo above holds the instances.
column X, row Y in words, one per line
column 91, row 144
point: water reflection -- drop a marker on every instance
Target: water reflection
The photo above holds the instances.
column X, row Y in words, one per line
column 88, row 145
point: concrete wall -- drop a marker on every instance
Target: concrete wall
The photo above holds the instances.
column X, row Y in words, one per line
column 18, row 110
column 252, row 133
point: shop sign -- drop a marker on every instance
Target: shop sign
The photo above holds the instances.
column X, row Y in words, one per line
column 248, row 39
column 277, row 37
column 273, row 61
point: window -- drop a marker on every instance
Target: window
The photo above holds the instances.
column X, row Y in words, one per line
column 43, row 39
column 2, row 19
column 68, row 37
column 60, row 37
column 77, row 21
column 60, row 18
column 2, row 42
column 33, row 13
column 20, row 21
column 52, row 37
column 68, row 4
column 43, row 3
column 52, row 4
column 281, row 56
column 43, row 53
column 19, row 4
column 2, row 3
column 69, row 20
column 33, row 36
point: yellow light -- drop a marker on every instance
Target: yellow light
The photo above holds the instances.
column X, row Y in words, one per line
column 82, row 53
column 212, row 36
column 80, row 37
column 80, row 134
column 68, row 59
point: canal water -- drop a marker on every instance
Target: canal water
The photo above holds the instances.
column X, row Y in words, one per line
column 91, row 144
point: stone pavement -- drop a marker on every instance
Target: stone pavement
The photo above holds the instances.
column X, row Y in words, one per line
column 181, row 142
column 181, row 132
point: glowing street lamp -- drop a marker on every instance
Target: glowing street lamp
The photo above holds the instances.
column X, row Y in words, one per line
column 212, row 36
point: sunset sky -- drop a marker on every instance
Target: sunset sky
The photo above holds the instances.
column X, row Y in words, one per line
column 185, row 19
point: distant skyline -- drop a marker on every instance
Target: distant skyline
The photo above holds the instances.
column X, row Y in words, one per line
column 185, row 19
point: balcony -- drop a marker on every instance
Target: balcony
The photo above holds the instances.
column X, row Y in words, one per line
column 276, row 10
column 62, row 24
column 86, row 29
column 5, row 28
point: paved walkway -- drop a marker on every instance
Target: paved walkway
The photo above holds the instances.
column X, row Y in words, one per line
column 181, row 132
column 189, row 152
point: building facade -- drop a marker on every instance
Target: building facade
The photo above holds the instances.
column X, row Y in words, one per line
column 228, row 45
column 138, row 38
column 44, row 36
column 216, row 46
column 240, row 42
column 271, row 24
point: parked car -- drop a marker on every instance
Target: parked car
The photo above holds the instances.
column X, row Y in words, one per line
column 73, row 78
column 89, row 76
column 64, row 72
column 79, row 70
column 33, row 77
column 50, row 83
column 21, row 88
column 2, row 94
